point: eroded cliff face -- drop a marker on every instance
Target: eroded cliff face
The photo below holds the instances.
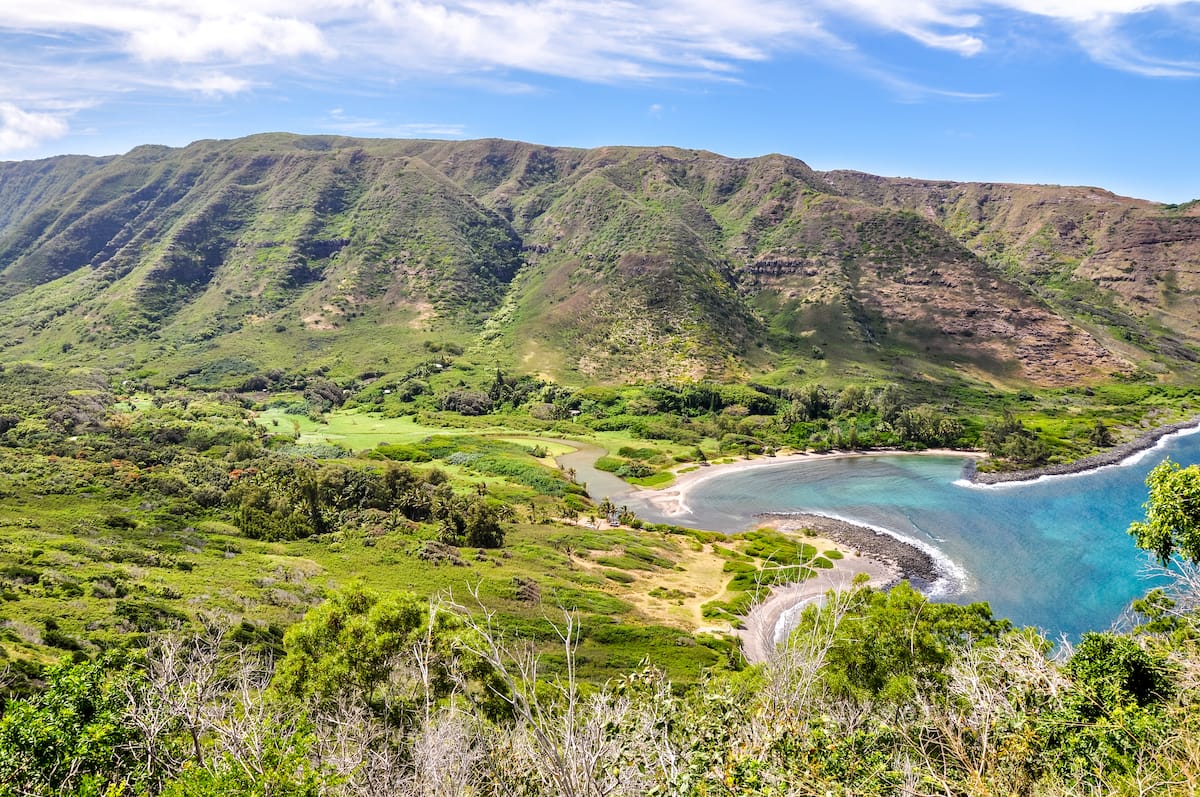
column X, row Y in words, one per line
column 1154, row 265
column 900, row 280
column 612, row 264
column 1129, row 265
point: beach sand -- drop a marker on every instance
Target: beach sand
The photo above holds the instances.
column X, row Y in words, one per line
column 672, row 500
column 761, row 622
column 883, row 558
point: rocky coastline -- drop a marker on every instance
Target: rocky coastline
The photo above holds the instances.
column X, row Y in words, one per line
column 1112, row 456
column 908, row 561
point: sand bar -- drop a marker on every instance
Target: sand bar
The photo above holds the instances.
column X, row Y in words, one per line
column 883, row 558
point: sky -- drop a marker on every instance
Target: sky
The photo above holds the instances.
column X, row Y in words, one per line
column 1073, row 92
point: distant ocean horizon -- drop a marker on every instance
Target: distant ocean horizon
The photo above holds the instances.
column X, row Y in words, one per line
column 1053, row 554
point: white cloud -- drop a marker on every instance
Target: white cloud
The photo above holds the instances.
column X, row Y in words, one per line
column 1090, row 10
column 69, row 51
column 249, row 37
column 184, row 32
column 1098, row 27
column 941, row 26
column 604, row 41
column 20, row 129
column 593, row 40
column 213, row 84
column 342, row 122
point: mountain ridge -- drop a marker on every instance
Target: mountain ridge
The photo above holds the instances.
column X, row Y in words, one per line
column 602, row 265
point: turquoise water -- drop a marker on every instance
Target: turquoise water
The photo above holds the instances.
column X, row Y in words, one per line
column 1054, row 553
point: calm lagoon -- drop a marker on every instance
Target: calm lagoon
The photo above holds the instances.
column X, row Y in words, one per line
column 1052, row 553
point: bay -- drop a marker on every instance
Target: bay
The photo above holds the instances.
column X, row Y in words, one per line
column 1053, row 553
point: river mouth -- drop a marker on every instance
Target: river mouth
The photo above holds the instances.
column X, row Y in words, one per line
column 1053, row 554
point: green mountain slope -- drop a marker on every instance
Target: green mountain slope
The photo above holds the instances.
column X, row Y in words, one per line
column 226, row 258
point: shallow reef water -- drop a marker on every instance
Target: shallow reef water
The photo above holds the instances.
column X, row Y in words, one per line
column 1053, row 553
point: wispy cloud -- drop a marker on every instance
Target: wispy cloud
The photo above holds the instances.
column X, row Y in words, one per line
column 213, row 84
column 436, row 129
column 1108, row 42
column 20, row 129
column 67, row 50
column 942, row 28
column 339, row 121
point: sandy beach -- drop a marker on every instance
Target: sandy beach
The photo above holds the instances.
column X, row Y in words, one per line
column 758, row 635
column 883, row 558
column 672, row 500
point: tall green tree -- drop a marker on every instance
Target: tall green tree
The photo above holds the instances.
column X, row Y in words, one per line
column 1172, row 522
column 888, row 644
column 348, row 642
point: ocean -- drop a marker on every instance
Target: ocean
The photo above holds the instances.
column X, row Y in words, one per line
column 1053, row 554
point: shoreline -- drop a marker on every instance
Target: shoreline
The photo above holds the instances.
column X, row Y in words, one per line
column 672, row 499
column 1117, row 455
column 883, row 558
column 906, row 560
column 762, row 623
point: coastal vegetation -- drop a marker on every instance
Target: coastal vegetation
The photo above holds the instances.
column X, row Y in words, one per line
column 874, row 693
column 281, row 511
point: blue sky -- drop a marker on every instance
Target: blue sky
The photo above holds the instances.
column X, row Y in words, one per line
column 1093, row 92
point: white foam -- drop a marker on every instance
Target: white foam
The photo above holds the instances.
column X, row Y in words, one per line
column 789, row 618
column 1132, row 459
column 954, row 577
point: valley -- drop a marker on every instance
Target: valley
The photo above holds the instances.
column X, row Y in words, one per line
column 335, row 402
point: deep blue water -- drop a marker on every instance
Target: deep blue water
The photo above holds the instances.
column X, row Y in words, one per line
column 1054, row 553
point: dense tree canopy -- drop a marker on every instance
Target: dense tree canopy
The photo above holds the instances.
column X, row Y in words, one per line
column 888, row 644
column 348, row 642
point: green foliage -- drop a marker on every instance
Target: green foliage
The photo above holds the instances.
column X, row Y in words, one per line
column 1172, row 521
column 779, row 549
column 1114, row 707
column 1099, row 435
column 1010, row 439
column 891, row 644
column 878, row 693
column 466, row 402
column 348, row 643
column 286, row 772
column 402, row 453
column 476, row 524
column 72, row 738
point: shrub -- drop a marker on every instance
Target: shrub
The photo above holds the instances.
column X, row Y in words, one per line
column 465, row 402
